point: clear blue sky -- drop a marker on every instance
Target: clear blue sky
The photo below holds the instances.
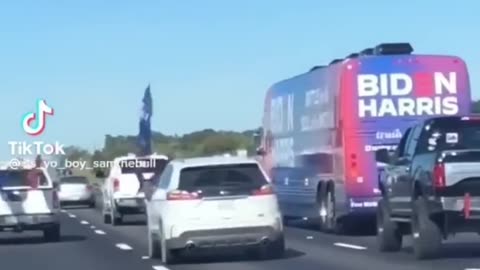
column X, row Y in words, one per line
column 209, row 62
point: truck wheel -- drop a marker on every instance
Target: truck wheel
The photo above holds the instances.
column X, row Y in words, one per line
column 116, row 220
column 389, row 236
column 52, row 234
column 427, row 236
column 328, row 220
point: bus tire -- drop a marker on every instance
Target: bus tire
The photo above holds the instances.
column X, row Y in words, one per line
column 328, row 219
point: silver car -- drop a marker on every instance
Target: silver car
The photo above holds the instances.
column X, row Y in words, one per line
column 76, row 190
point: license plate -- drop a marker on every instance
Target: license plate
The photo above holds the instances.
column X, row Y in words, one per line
column 226, row 206
column 129, row 202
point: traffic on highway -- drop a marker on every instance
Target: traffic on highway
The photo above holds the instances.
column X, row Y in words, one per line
column 375, row 177
column 368, row 161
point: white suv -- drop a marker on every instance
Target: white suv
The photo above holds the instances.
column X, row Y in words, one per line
column 214, row 202
column 29, row 201
column 122, row 190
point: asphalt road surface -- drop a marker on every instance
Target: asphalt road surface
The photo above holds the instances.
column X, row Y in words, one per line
column 89, row 244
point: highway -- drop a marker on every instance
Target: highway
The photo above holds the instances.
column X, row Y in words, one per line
column 89, row 244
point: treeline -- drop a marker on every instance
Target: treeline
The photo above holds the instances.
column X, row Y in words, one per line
column 199, row 143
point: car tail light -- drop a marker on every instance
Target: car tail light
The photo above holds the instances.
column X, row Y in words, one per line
column 116, row 184
column 182, row 195
column 353, row 166
column 264, row 190
column 439, row 175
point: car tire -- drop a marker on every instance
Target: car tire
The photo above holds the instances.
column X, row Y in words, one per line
column 107, row 219
column 92, row 204
column 389, row 236
column 426, row 234
column 52, row 234
column 168, row 256
column 154, row 248
column 273, row 250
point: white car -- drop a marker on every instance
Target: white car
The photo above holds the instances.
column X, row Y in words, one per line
column 122, row 189
column 29, row 202
column 213, row 203
column 76, row 190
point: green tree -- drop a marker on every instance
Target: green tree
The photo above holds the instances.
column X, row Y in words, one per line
column 476, row 106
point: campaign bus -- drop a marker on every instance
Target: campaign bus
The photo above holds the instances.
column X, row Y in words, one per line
column 321, row 129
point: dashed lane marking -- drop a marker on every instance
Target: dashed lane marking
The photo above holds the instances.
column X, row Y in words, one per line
column 159, row 267
column 84, row 222
column 93, row 227
column 349, row 246
column 309, row 237
column 100, row 232
column 72, row 215
column 123, row 246
column 63, row 211
column 145, row 257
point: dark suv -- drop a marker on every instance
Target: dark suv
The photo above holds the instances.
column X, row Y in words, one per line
column 430, row 185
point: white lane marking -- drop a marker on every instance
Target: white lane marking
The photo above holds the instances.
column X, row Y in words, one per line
column 472, row 268
column 123, row 246
column 145, row 257
column 63, row 211
column 159, row 267
column 100, row 232
column 72, row 215
column 349, row 246
column 84, row 222
column 309, row 237
column 92, row 227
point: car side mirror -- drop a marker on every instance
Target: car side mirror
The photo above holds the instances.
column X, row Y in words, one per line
column 383, row 156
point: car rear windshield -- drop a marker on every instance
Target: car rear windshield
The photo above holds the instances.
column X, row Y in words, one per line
column 143, row 165
column 454, row 134
column 22, row 178
column 74, row 180
column 238, row 176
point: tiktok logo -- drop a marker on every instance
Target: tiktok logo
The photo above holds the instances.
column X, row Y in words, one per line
column 33, row 123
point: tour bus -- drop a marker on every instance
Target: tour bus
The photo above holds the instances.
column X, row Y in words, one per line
column 321, row 128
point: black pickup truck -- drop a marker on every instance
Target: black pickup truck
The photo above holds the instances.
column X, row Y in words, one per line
column 430, row 185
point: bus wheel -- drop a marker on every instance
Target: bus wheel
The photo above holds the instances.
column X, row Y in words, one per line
column 328, row 219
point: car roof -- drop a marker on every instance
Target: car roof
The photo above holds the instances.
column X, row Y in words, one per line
column 211, row 161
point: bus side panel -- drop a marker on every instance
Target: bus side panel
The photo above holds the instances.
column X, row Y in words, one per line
column 308, row 154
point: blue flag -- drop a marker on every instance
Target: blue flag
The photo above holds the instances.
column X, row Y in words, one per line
column 145, row 132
